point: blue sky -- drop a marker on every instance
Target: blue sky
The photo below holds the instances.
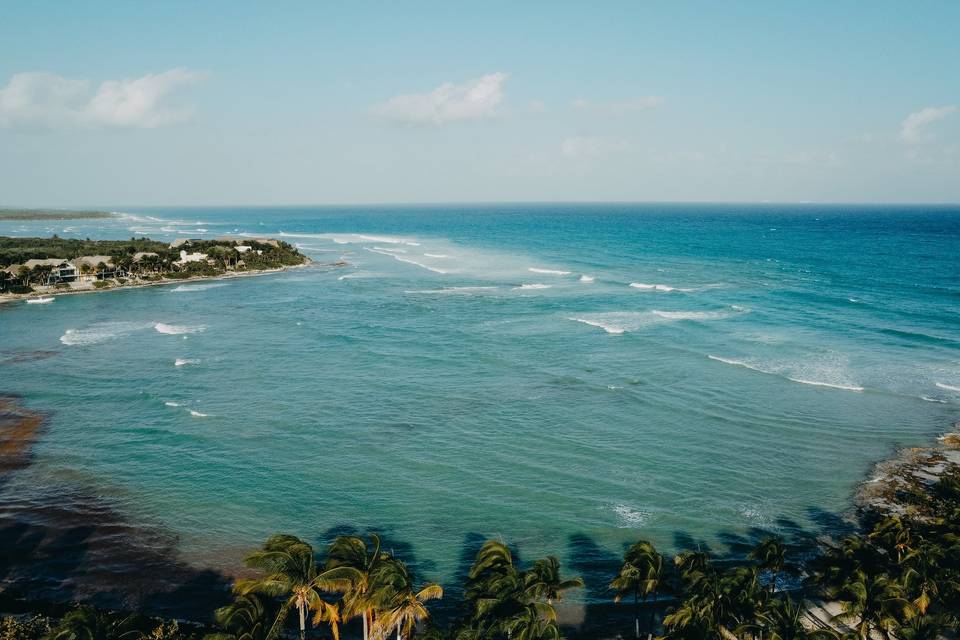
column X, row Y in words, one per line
column 282, row 103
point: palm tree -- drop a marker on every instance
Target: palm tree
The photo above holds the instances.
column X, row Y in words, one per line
column 895, row 534
column 535, row 622
column 494, row 588
column 244, row 619
column 921, row 575
column 292, row 575
column 352, row 552
column 783, row 620
column 87, row 623
column 770, row 555
column 402, row 607
column 870, row 602
column 640, row 575
column 543, row 580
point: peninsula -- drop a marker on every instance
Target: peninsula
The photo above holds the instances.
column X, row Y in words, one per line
column 43, row 266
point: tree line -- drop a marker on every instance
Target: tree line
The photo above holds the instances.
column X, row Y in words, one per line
column 896, row 579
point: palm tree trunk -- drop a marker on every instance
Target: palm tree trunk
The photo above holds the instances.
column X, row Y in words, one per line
column 636, row 613
column 300, row 606
column 652, row 611
column 365, row 632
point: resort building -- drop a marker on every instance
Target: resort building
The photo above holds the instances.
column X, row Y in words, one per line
column 60, row 270
column 190, row 257
column 183, row 242
column 98, row 267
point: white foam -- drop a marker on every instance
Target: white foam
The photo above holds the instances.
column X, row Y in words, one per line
column 419, row 264
column 389, row 250
column 586, row 278
column 172, row 404
column 175, row 330
column 389, row 240
column 197, row 414
column 534, row 286
column 643, row 286
column 451, row 290
column 187, row 288
column 630, row 517
column 552, row 272
column 948, row 387
column 832, row 385
column 736, row 363
column 609, row 327
column 785, row 373
column 435, row 255
column 101, row 332
column 937, row 400
column 179, row 362
column 689, row 315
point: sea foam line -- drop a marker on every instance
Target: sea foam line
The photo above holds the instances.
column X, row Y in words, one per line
column 657, row 287
column 173, row 329
column 552, row 272
column 606, row 326
column 947, row 387
column 816, row 383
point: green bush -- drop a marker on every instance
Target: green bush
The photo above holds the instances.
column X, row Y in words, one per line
column 101, row 284
column 24, row 628
column 20, row 288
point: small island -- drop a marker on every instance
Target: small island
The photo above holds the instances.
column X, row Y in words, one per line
column 7, row 213
column 31, row 267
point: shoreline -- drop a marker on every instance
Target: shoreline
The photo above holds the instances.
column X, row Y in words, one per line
column 7, row 298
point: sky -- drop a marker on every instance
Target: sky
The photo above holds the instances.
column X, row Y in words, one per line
column 220, row 103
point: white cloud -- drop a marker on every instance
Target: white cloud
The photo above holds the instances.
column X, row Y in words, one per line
column 472, row 100
column 48, row 100
column 621, row 107
column 590, row 147
column 913, row 127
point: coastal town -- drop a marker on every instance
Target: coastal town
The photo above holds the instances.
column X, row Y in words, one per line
column 31, row 267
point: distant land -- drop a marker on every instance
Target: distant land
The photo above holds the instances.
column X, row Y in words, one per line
column 50, row 214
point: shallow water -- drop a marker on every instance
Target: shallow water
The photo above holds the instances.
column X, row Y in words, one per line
column 561, row 376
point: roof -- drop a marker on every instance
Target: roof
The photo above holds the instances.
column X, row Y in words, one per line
column 49, row 262
column 93, row 260
column 179, row 242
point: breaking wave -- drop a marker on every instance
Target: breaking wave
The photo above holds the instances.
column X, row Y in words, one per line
column 779, row 371
column 187, row 288
column 175, row 330
column 552, row 272
column 101, row 332
column 947, row 387
column 179, row 362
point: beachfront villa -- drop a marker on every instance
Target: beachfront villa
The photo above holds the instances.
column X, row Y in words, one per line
column 90, row 266
column 60, row 270
column 186, row 258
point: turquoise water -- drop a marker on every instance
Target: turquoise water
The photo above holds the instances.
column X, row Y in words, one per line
column 491, row 371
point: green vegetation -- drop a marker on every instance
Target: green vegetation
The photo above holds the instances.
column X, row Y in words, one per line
column 897, row 580
column 134, row 260
column 50, row 214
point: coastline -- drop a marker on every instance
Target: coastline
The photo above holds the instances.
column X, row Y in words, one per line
column 14, row 297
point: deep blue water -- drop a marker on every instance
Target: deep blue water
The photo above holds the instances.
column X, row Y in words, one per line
column 552, row 374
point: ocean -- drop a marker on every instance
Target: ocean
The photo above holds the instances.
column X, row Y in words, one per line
column 567, row 378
